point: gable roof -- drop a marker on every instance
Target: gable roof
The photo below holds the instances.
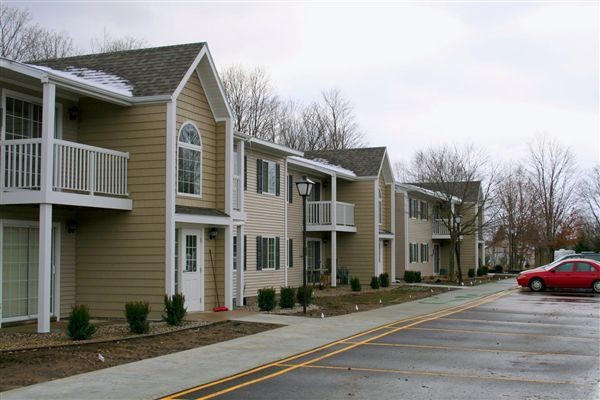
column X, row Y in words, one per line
column 468, row 191
column 362, row 161
column 149, row 72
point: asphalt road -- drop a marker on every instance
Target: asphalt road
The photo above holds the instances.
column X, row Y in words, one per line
column 520, row 345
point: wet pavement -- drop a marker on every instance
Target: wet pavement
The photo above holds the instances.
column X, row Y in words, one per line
column 516, row 345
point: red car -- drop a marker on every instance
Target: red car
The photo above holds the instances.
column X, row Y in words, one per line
column 575, row 273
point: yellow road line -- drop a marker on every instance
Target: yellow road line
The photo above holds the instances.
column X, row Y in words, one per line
column 424, row 346
column 589, row 339
column 442, row 313
column 446, row 375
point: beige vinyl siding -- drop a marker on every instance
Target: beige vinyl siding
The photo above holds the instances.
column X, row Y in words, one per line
column 400, row 242
column 67, row 248
column 192, row 105
column 420, row 232
column 467, row 244
column 265, row 217
column 356, row 251
column 121, row 254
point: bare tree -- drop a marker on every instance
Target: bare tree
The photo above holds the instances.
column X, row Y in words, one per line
column 108, row 44
column 589, row 198
column 401, row 171
column 464, row 181
column 21, row 40
column 551, row 174
column 517, row 214
column 337, row 121
column 253, row 101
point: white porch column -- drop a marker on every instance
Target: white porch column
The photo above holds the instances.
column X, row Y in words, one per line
column 333, row 231
column 228, row 267
column 239, row 295
column 393, row 229
column 45, row 222
column 44, row 267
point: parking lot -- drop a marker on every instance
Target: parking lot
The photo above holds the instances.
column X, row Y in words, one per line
column 509, row 345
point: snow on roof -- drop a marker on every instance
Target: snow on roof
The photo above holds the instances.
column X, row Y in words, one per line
column 428, row 192
column 318, row 162
column 100, row 79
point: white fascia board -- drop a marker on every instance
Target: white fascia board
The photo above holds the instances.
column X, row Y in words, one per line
column 321, row 167
column 218, row 81
column 272, row 148
column 202, row 219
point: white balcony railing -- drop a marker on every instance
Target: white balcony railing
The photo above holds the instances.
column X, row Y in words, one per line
column 237, row 193
column 439, row 228
column 319, row 213
column 77, row 167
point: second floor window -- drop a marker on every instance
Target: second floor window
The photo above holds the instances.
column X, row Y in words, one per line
column 189, row 160
column 423, row 210
column 267, row 177
column 380, row 206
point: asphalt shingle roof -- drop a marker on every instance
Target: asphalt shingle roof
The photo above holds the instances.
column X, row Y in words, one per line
column 151, row 72
column 363, row 161
column 468, row 191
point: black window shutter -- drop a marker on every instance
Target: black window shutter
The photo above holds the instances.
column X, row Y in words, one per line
column 317, row 254
column 258, row 253
column 277, row 180
column 235, row 250
column 245, row 173
column 277, row 253
column 245, row 251
column 291, row 253
column 259, row 176
column 290, row 188
column 265, row 253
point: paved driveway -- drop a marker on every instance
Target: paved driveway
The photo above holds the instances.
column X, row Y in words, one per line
column 520, row 345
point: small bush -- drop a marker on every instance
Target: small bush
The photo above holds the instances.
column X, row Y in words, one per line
column 412, row 276
column 137, row 316
column 375, row 282
column 174, row 309
column 287, row 298
column 79, row 327
column 498, row 269
column 384, row 279
column 479, row 271
column 300, row 295
column 355, row 284
column 484, row 271
column 471, row 272
column 266, row 299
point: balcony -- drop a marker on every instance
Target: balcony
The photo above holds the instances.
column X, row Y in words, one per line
column 82, row 175
column 318, row 216
column 439, row 230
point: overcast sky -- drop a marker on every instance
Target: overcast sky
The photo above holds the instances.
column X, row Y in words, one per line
column 495, row 74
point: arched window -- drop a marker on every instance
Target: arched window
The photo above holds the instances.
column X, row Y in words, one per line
column 189, row 160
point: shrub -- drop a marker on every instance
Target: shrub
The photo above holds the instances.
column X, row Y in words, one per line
column 498, row 269
column 79, row 327
column 384, row 279
column 479, row 271
column 412, row 276
column 300, row 295
column 174, row 309
column 287, row 298
column 471, row 272
column 137, row 316
column 484, row 270
column 375, row 282
column 355, row 284
column 266, row 299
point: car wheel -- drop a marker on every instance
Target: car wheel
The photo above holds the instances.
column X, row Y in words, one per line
column 596, row 286
column 536, row 285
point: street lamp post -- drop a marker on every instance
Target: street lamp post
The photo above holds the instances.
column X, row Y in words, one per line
column 457, row 220
column 304, row 188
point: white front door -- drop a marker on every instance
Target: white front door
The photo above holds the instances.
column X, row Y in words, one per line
column 192, row 268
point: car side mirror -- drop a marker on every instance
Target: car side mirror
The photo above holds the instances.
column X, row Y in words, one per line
column 553, row 271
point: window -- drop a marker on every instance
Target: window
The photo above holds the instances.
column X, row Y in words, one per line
column 566, row 267
column 267, row 253
column 380, row 206
column 424, row 252
column 413, row 252
column 191, row 252
column 413, row 208
column 290, row 253
column 267, row 177
column 423, row 210
column 189, row 160
column 23, row 119
column 584, row 267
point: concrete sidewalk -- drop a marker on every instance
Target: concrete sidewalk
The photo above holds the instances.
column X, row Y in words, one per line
column 161, row 376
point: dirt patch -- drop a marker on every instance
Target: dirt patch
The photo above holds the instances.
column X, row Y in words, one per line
column 27, row 367
column 331, row 305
